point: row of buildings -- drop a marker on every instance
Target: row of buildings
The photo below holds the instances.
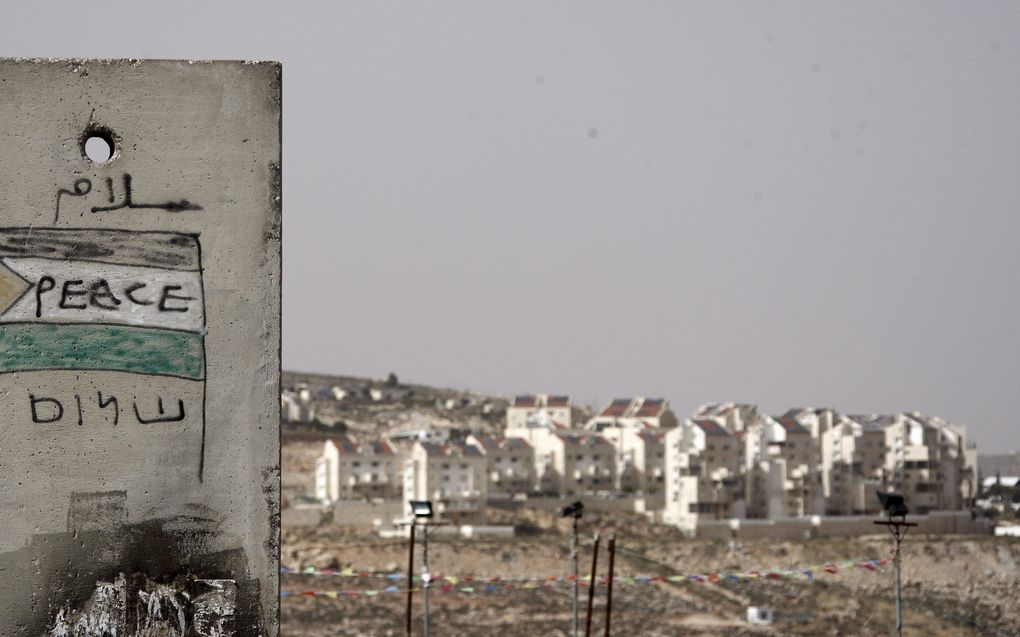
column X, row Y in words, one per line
column 725, row 461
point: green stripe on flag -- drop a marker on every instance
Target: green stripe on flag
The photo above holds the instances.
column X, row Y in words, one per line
column 40, row 346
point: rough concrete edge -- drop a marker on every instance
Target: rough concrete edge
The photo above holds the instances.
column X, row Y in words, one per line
column 135, row 61
column 277, row 195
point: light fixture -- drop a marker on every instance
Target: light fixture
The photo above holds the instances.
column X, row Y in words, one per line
column 421, row 508
column 573, row 510
column 893, row 503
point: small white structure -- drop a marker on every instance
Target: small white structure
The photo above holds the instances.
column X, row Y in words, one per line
column 760, row 616
column 296, row 406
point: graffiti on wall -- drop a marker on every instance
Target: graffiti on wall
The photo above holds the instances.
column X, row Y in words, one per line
column 124, row 310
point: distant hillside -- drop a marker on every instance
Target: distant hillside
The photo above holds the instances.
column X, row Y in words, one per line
column 369, row 407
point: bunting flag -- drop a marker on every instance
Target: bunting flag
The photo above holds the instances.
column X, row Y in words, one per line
column 448, row 583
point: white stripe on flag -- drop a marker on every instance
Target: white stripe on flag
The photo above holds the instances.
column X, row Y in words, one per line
column 89, row 292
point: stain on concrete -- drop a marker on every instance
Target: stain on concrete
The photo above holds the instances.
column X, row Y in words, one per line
column 136, row 606
column 145, row 577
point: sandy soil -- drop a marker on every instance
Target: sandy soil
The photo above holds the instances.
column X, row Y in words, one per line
column 953, row 586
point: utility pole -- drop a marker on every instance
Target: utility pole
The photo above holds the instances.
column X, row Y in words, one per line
column 573, row 558
column 410, row 578
column 575, row 510
column 420, row 510
column 425, row 577
column 896, row 521
column 591, row 585
column 609, row 587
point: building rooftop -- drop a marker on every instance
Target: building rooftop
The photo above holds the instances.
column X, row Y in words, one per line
column 346, row 446
column 525, row 401
column 558, row 401
column 651, row 407
column 873, row 422
column 711, row 427
column 450, row 449
column 501, row 442
column 541, row 400
column 616, row 408
column 584, row 440
column 791, row 425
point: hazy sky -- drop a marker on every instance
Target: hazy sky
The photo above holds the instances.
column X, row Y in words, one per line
column 797, row 203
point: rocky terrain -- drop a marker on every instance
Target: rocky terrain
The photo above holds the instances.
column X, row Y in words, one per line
column 953, row 586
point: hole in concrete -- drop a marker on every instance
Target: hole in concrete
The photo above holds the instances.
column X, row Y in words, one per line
column 99, row 145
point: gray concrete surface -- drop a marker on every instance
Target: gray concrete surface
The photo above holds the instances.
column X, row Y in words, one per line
column 139, row 345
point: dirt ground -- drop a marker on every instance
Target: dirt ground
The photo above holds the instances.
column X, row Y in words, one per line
column 953, row 586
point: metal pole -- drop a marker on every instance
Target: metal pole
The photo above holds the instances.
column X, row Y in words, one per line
column 591, row 586
column 899, row 610
column 410, row 578
column 426, row 578
column 609, row 586
column 573, row 558
column 899, row 529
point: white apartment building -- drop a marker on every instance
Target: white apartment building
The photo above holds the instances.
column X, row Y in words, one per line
column 452, row 477
column 780, row 470
column 640, row 412
column 570, row 463
column 853, row 465
column 510, row 463
column 929, row 462
column 349, row 470
column 539, row 409
column 640, row 459
column 703, row 461
column 811, row 461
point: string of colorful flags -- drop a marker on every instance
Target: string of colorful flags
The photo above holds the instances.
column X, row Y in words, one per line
column 482, row 584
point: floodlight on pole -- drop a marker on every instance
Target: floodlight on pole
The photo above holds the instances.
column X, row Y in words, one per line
column 575, row 510
column 421, row 508
column 896, row 520
column 894, row 504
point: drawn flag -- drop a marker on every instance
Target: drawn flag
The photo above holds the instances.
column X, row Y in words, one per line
column 104, row 328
